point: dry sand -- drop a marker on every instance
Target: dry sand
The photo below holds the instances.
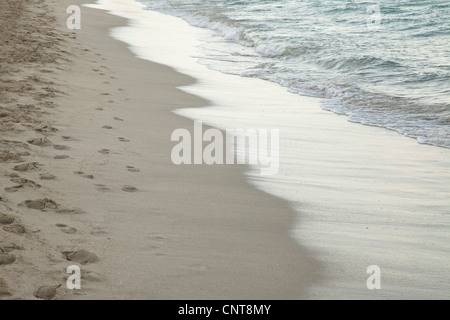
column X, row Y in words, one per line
column 86, row 178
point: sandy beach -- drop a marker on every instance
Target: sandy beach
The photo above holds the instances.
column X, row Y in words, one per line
column 87, row 178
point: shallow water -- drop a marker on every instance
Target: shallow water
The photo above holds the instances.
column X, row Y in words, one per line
column 382, row 63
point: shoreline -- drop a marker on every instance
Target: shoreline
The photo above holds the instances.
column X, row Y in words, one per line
column 385, row 192
column 116, row 194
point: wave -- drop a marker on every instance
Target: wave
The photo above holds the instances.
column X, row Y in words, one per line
column 396, row 77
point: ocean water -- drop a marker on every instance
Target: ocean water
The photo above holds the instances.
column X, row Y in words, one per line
column 381, row 63
column 365, row 195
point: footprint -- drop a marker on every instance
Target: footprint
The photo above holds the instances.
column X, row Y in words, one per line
column 129, row 189
column 22, row 183
column 27, row 167
column 87, row 176
column 132, row 169
column 14, row 188
column 25, row 182
column 69, row 230
column 70, row 211
column 104, row 151
column 122, row 139
column 46, row 129
column 117, row 118
column 92, row 276
column 67, row 138
column 102, row 187
column 46, row 292
column 66, row 229
column 107, row 127
column 6, row 247
column 6, row 219
column 5, row 291
column 61, row 157
column 41, row 142
column 110, row 101
column 99, row 109
column 80, row 256
column 60, row 147
column 158, row 238
column 41, row 204
column 15, row 228
column 46, row 176
column 99, row 233
column 7, row 258
column 6, row 156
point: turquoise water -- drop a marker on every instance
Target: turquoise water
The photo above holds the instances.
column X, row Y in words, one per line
column 381, row 63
